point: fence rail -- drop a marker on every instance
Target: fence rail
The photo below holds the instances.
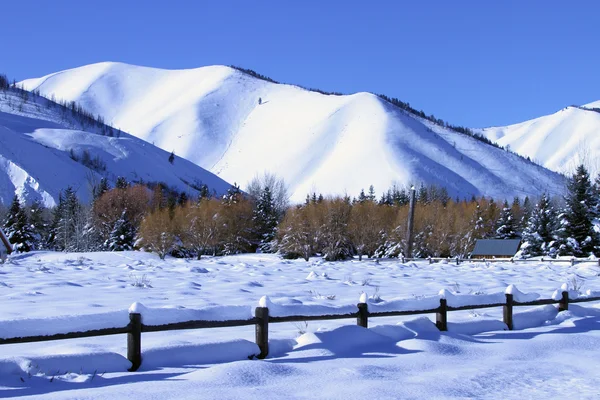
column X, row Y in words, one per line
column 459, row 260
column 262, row 319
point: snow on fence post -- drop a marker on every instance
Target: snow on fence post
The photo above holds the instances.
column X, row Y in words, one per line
column 362, row 317
column 134, row 341
column 262, row 327
column 508, row 311
column 441, row 317
column 563, row 304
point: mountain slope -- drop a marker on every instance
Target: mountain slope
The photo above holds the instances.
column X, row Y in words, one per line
column 236, row 126
column 559, row 141
column 43, row 149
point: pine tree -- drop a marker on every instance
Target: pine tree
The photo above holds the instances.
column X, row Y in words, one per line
column 39, row 225
column 362, row 197
column 101, row 188
column 18, row 229
column 371, row 196
column 505, row 226
column 233, row 195
column 577, row 228
column 122, row 236
column 265, row 221
column 538, row 236
column 121, row 183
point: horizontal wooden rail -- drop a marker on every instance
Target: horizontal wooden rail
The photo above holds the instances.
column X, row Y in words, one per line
column 62, row 336
column 197, row 324
column 262, row 319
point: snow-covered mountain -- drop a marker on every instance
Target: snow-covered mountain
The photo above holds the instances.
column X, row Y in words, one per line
column 44, row 148
column 559, row 141
column 236, row 126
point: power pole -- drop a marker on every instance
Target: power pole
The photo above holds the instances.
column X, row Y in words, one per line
column 411, row 220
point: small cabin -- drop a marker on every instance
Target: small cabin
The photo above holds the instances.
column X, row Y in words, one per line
column 496, row 248
column 5, row 246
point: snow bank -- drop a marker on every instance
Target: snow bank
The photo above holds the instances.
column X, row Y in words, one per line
column 534, row 317
column 414, row 304
column 198, row 354
column 164, row 315
column 21, row 327
column 519, row 296
column 286, row 310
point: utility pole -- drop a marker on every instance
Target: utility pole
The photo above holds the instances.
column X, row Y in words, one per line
column 411, row 220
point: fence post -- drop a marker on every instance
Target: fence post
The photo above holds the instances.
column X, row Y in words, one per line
column 572, row 261
column 262, row 330
column 441, row 317
column 362, row 318
column 508, row 311
column 404, row 260
column 563, row 304
column 457, row 261
column 430, row 260
column 134, row 341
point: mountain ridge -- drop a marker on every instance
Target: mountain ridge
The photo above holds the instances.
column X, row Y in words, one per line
column 46, row 147
column 236, row 126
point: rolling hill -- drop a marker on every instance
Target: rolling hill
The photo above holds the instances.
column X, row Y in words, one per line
column 45, row 147
column 559, row 141
column 236, row 126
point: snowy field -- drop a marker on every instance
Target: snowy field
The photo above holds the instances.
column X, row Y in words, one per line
column 548, row 355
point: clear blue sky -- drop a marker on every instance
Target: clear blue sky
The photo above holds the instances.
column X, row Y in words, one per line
column 473, row 63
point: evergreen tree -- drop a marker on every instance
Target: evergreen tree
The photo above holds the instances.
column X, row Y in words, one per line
column 371, row 196
column 577, row 228
column 101, row 188
column 18, row 229
column 538, row 236
column 505, row 226
column 362, row 197
column 39, row 225
column 265, row 221
column 233, row 195
column 526, row 211
column 121, row 183
column 122, row 236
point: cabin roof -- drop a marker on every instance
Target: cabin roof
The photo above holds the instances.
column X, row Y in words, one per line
column 496, row 247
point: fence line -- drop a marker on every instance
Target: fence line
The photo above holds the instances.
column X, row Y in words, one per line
column 262, row 319
column 459, row 260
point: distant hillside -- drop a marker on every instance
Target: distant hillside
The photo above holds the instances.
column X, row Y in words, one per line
column 559, row 141
column 237, row 123
column 46, row 147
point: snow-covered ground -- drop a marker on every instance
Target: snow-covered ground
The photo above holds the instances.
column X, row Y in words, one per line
column 548, row 355
column 237, row 126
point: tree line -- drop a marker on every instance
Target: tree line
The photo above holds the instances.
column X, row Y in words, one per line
column 155, row 218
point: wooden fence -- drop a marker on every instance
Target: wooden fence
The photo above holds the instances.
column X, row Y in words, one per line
column 459, row 260
column 262, row 319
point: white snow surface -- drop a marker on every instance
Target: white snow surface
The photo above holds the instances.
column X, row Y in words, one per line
column 549, row 355
column 35, row 162
column 325, row 143
column 560, row 141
